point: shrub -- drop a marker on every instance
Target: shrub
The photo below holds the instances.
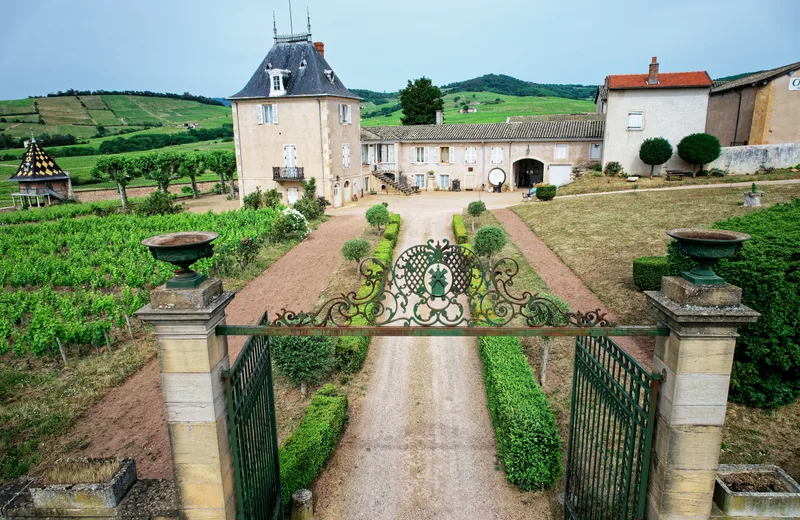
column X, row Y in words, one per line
column 308, row 207
column 186, row 190
column 475, row 209
column 613, row 168
column 717, row 172
column 524, row 423
column 648, row 271
column 351, row 351
column 290, row 223
column 158, row 203
column 302, row 359
column 355, row 250
column 309, row 446
column 597, row 174
column 378, row 216
column 597, row 167
column 767, row 358
column 253, row 200
column 546, row 192
column 272, row 198
column 391, row 233
column 460, row 230
column 489, row 240
column 699, row 149
column 655, row 151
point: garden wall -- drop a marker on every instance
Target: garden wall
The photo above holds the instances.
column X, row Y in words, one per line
column 748, row 159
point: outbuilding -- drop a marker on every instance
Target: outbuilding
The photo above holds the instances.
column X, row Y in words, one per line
column 41, row 181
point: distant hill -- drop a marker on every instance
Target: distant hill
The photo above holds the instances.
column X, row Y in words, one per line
column 226, row 102
column 510, row 86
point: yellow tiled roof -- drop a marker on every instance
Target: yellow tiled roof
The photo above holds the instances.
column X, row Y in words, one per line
column 37, row 164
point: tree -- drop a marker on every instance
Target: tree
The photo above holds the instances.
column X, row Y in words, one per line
column 223, row 163
column 699, row 149
column 655, row 151
column 120, row 170
column 475, row 209
column 489, row 240
column 378, row 216
column 302, row 359
column 420, row 101
column 355, row 250
column 163, row 168
column 191, row 166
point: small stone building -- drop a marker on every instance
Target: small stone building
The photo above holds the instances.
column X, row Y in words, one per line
column 41, row 181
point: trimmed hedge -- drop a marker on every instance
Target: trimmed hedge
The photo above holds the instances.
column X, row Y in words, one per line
column 648, row 271
column 524, row 423
column 546, row 191
column 351, row 351
column 306, row 450
column 460, row 230
column 767, row 357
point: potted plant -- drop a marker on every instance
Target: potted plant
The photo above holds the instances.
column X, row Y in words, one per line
column 756, row 490
column 752, row 198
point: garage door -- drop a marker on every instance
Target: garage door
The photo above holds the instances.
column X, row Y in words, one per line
column 559, row 174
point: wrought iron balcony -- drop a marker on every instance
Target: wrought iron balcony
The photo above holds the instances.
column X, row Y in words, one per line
column 289, row 173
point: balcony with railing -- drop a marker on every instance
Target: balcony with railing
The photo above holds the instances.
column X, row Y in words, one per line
column 288, row 173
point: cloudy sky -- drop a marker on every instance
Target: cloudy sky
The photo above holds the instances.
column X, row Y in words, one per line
column 212, row 47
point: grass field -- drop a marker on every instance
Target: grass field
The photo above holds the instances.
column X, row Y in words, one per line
column 17, row 106
column 488, row 113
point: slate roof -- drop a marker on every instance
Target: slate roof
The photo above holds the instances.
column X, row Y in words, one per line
column 586, row 116
column 758, row 77
column 38, row 165
column 696, row 79
column 545, row 130
column 306, row 81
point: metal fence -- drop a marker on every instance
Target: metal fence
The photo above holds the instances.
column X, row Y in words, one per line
column 253, row 432
column 611, row 431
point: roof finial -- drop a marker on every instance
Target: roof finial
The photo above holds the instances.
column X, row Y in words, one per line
column 291, row 23
column 308, row 14
column 33, row 139
column 274, row 27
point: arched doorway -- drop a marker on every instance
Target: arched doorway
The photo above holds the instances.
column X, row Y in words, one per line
column 337, row 196
column 347, row 191
column 528, row 172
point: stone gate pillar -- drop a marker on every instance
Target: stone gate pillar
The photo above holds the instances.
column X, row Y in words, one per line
column 696, row 361
column 191, row 359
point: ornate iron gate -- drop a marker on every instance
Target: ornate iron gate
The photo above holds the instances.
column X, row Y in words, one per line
column 611, row 430
column 253, row 431
column 422, row 294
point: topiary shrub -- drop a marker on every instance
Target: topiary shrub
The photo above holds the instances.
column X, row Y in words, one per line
column 648, row 271
column 489, row 240
column 699, row 149
column 391, row 233
column 309, row 446
column 546, row 192
column 475, row 209
column 355, row 250
column 377, row 216
column 612, row 169
column 767, row 357
column 460, row 230
column 302, row 359
column 655, row 151
column 524, row 423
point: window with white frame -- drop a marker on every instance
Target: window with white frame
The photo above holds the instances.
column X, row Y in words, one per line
column 497, row 155
column 446, row 155
column 366, row 184
column 289, row 155
column 635, row 120
column 271, row 114
column 562, row 150
column 345, row 114
column 346, row 155
column 364, row 153
column 594, row 151
column 419, row 154
column 276, row 82
column 444, row 182
column 471, row 155
column 292, row 195
column 386, row 153
column 419, row 180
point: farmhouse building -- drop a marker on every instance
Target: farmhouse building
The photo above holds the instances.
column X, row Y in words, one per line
column 761, row 108
column 435, row 156
column 657, row 104
column 41, row 181
column 295, row 120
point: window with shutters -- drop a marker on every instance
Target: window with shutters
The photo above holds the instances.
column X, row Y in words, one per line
column 635, row 120
column 344, row 114
column 289, row 155
column 562, row 150
column 471, row 155
column 497, row 155
column 444, row 182
column 292, row 195
column 271, row 114
column 445, row 155
column 594, row 152
column 346, row 155
column 420, row 155
column 364, row 154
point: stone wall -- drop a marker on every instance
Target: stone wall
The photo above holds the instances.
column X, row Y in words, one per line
column 748, row 159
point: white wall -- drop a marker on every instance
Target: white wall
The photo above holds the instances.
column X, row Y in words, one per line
column 748, row 159
column 669, row 113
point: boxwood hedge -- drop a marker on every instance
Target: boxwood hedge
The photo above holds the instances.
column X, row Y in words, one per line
column 459, row 230
column 648, row 271
column 546, row 191
column 309, row 446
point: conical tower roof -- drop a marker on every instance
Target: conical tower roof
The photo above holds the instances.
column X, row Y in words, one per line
column 37, row 165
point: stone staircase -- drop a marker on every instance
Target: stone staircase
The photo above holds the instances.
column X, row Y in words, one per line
column 388, row 181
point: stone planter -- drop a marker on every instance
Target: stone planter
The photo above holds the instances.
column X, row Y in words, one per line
column 103, row 495
column 757, row 504
column 752, row 199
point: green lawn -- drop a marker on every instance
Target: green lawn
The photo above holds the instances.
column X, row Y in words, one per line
column 489, row 113
column 16, row 106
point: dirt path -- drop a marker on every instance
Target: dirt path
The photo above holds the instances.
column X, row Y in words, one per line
column 420, row 443
column 129, row 420
column 563, row 282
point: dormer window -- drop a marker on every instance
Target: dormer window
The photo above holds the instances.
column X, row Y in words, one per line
column 330, row 75
column 276, row 83
column 303, row 64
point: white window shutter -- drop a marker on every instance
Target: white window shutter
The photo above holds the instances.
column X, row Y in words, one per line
column 294, row 154
column 452, row 155
column 274, row 113
column 260, row 114
column 285, row 156
column 413, row 154
column 341, row 119
column 349, row 114
column 435, row 154
column 425, row 159
column 348, row 155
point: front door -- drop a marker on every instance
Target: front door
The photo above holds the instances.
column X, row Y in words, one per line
column 337, row 196
column 292, row 195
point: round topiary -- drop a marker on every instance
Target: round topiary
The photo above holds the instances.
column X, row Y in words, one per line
column 378, row 216
column 655, row 151
column 475, row 209
column 546, row 192
column 699, row 149
column 302, row 359
column 489, row 240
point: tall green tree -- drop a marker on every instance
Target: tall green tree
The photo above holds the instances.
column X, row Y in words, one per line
column 120, row 170
column 191, row 166
column 420, row 101
column 655, row 151
column 223, row 163
column 161, row 167
column 699, row 149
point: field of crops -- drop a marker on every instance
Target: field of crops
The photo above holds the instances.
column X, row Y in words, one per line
column 74, row 279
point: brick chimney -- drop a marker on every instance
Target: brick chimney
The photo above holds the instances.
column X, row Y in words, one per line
column 439, row 117
column 652, row 78
column 321, row 48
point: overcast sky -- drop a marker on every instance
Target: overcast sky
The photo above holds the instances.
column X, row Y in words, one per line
column 212, row 47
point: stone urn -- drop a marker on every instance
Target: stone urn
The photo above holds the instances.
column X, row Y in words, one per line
column 182, row 250
column 752, row 199
column 706, row 247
